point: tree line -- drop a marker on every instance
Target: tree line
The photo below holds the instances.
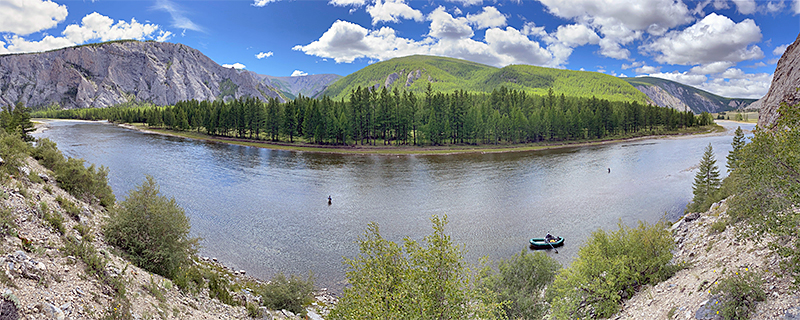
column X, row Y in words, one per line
column 382, row 116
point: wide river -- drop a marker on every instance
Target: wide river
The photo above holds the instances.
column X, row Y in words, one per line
column 266, row 211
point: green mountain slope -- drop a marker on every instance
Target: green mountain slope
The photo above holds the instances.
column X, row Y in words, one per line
column 413, row 73
column 667, row 93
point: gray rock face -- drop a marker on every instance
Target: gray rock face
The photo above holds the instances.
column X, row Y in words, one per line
column 784, row 86
column 309, row 86
column 663, row 98
column 102, row 75
column 391, row 79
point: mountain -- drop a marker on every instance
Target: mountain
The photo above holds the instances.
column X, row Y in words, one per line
column 110, row 73
column 291, row 87
column 414, row 73
column 678, row 96
column 783, row 88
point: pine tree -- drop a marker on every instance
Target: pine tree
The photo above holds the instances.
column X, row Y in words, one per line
column 734, row 157
column 707, row 181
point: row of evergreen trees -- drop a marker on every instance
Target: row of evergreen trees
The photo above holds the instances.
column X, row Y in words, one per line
column 379, row 116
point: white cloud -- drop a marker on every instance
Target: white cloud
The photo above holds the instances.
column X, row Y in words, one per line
column 261, row 3
column 796, row 6
column 711, row 68
column 467, row 2
column 733, row 73
column 733, row 83
column 745, row 6
column 179, row 19
column 94, row 26
column 344, row 3
column 262, row 55
column 237, row 66
column 577, row 35
column 444, row 26
column 345, row 41
column 391, row 11
column 694, row 80
column 647, row 69
column 715, row 38
column 773, row 7
column 721, row 4
column 488, row 18
column 612, row 49
column 298, row 73
column 779, row 50
column 514, row 47
column 29, row 16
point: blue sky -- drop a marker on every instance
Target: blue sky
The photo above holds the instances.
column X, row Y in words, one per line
column 729, row 48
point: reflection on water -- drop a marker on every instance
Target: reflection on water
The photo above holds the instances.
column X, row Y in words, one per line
column 266, row 211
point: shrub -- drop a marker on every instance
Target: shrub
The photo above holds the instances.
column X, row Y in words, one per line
column 47, row 153
column 520, row 281
column 7, row 225
column 85, row 183
column 53, row 219
column 218, row 288
column 610, row 267
column 13, row 150
column 292, row 294
column 151, row 230
column 70, row 208
column 189, row 278
column 738, row 294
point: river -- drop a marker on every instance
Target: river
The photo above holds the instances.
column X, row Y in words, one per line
column 266, row 211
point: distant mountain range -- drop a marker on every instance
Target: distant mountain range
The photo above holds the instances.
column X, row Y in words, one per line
column 111, row 73
column 672, row 94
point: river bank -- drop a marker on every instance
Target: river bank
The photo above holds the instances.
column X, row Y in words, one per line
column 42, row 281
column 711, row 256
column 400, row 150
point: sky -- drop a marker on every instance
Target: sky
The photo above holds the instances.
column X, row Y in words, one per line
column 729, row 48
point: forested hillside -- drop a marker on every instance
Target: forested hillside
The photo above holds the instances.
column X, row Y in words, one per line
column 414, row 73
column 405, row 118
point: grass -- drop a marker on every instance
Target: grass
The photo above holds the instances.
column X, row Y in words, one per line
column 417, row 150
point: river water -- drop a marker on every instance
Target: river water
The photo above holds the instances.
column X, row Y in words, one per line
column 266, row 211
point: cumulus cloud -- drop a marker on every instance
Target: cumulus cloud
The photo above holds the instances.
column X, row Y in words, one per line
column 445, row 26
column 94, row 26
column 796, row 6
column 26, row 17
column 262, row 55
column 635, row 64
column 779, row 50
column 488, row 18
column 576, row 35
column 647, row 69
column 179, row 19
column 715, row 38
column 392, row 11
column 344, row 3
column 745, row 6
column 694, row 80
column 237, row 66
column 451, row 37
column 261, row 3
column 298, row 73
column 711, row 68
column 467, row 2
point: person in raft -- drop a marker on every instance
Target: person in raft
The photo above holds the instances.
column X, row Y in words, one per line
column 549, row 238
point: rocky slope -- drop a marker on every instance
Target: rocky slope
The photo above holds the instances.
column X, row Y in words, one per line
column 783, row 88
column 106, row 74
column 681, row 97
column 711, row 256
column 39, row 281
column 291, row 87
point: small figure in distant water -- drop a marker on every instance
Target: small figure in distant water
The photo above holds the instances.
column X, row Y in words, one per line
column 329, row 200
column 609, row 170
column 549, row 237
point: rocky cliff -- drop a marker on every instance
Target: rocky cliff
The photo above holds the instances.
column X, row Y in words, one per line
column 291, row 87
column 106, row 74
column 784, row 86
column 666, row 93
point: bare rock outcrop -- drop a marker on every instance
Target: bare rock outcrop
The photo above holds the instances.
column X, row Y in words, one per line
column 390, row 79
column 784, row 86
column 102, row 75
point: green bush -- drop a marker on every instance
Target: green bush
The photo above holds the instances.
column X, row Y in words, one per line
column 85, row 183
column 48, row 154
column 218, row 289
column 53, row 219
column 738, row 294
column 70, row 208
column 189, row 278
column 7, row 225
column 151, row 230
column 292, row 294
column 610, row 267
column 13, row 150
column 520, row 281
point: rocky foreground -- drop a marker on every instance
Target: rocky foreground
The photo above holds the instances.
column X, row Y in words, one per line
column 711, row 256
column 39, row 281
